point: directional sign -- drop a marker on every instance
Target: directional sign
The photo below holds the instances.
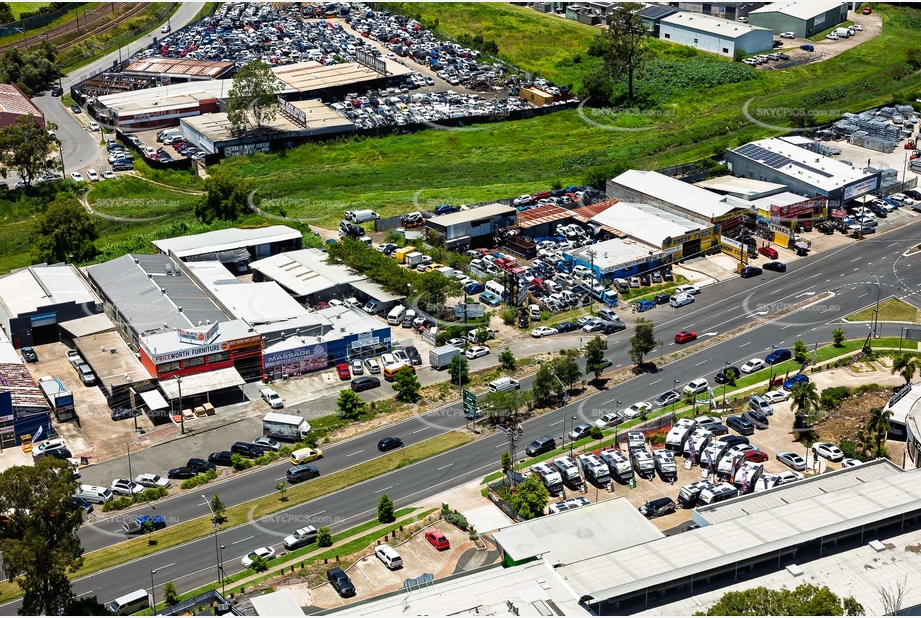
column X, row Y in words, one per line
column 470, row 406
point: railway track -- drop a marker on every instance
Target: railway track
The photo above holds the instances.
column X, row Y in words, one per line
column 75, row 31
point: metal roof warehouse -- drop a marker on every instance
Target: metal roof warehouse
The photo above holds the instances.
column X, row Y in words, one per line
column 299, row 272
column 179, row 68
column 261, row 242
column 647, row 223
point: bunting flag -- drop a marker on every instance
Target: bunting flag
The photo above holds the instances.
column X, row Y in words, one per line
column 744, row 480
column 37, row 434
column 709, row 460
column 734, row 468
column 692, row 451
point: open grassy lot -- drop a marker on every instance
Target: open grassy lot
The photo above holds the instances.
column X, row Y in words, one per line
column 19, row 8
column 890, row 310
column 107, row 198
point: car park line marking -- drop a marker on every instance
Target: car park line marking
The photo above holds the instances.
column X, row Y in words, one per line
column 744, row 344
column 384, row 489
column 164, row 566
column 443, row 467
column 355, row 453
column 246, row 539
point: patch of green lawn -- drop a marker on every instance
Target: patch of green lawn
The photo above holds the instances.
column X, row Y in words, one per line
column 890, row 310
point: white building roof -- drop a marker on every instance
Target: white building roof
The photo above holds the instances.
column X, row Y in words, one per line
column 474, row 214
column 578, row 534
column 646, row 223
column 615, row 253
column 804, row 165
column 654, row 564
column 201, row 383
column 169, row 341
column 800, row 10
column 24, row 291
column 225, row 240
column 711, row 25
column 304, row 272
column 375, row 291
column 673, row 191
column 745, row 188
column 278, row 603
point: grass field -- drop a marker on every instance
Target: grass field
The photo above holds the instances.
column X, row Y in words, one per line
column 19, row 8
column 890, row 310
column 107, row 199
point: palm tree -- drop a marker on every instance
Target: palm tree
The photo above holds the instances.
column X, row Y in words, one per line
column 805, row 400
column 905, row 365
column 878, row 428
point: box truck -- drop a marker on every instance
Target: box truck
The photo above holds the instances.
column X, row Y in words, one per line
column 440, row 357
column 284, row 427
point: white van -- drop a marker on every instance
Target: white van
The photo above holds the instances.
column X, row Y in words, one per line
column 495, row 288
column 843, row 33
column 360, row 216
column 128, row 604
column 366, row 240
column 94, row 494
column 372, row 307
column 272, row 398
column 389, row 557
column 504, row 385
column 395, row 317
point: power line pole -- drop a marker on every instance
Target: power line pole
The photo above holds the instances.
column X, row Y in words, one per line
column 514, row 434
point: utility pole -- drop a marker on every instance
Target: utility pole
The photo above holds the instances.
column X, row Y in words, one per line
column 514, row 434
column 879, row 289
column 181, row 415
column 130, row 475
column 591, row 293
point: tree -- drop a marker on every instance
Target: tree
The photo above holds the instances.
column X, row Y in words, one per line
column 349, row 405
column 597, row 87
column 507, row 360
column 282, row 488
column 594, row 356
column 877, row 429
column 39, row 543
column 596, row 433
column 225, row 199
column 6, row 13
column 804, row 600
column 544, row 383
column 567, row 369
column 406, row 385
column 459, row 369
column 149, row 530
column 252, row 97
column 905, row 365
column 25, row 147
column 86, row 606
column 64, row 233
column 434, row 289
column 385, row 510
column 730, row 375
column 623, row 47
column 838, row 337
column 805, row 401
column 643, row 340
column 259, row 564
column 170, row 596
column 530, row 498
column 506, row 460
column 739, row 54
column 800, row 351
column 218, row 508
column 324, row 537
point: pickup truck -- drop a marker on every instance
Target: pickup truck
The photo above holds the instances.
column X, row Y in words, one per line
column 137, row 526
column 74, row 358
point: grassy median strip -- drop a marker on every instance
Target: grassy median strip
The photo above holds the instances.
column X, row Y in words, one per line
column 255, row 509
column 890, row 310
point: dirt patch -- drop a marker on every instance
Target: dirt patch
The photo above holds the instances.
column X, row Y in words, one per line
column 915, row 549
column 845, row 422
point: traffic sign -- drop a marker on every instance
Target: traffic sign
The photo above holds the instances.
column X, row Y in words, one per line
column 470, row 406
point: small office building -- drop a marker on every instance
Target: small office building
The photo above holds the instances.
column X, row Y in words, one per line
column 714, row 35
column 618, row 257
column 23, row 407
column 36, row 299
column 233, row 347
column 785, row 161
column 474, row 227
column 802, row 18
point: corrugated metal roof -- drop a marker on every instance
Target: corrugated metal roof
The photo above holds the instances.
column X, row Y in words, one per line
column 799, row 10
column 541, row 215
column 14, row 101
column 174, row 66
column 225, row 240
column 474, row 214
column 673, row 191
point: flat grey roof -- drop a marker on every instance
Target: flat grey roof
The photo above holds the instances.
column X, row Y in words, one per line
column 810, row 487
column 474, row 214
column 673, row 191
column 24, row 291
column 304, row 272
column 225, row 240
column 90, row 325
column 646, row 223
column 747, row 188
column 375, row 291
column 578, row 534
column 799, row 10
column 201, row 383
column 779, row 199
column 711, row 25
column 683, row 555
column 278, row 603
column 138, row 298
column 615, row 253
column 112, row 368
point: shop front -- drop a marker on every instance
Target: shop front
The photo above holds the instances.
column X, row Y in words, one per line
column 192, row 351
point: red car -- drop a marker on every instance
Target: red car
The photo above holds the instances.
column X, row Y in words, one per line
column 755, row 456
column 770, row 252
column 437, row 540
column 343, row 370
column 684, row 336
column 867, row 10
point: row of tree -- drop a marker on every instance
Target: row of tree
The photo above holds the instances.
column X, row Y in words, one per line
column 31, row 71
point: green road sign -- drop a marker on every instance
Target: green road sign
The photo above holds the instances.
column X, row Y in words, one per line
column 470, row 406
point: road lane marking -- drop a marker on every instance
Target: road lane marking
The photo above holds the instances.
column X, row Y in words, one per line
column 315, row 514
column 384, row 489
column 443, row 467
column 281, row 478
column 355, row 453
column 859, row 297
column 246, row 539
column 556, row 423
column 701, row 363
column 165, row 566
column 656, row 382
column 855, row 259
column 744, row 344
column 423, row 429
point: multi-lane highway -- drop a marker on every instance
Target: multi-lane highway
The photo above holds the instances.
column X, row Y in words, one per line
column 751, row 304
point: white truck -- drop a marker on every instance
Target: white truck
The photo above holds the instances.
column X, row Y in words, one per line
column 440, row 357
column 678, row 434
column 596, row 471
column 618, row 465
column 284, row 427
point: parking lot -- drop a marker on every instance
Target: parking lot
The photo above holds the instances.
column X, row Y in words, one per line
column 371, row 577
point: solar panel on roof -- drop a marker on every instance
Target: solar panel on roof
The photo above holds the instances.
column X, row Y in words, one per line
column 774, row 160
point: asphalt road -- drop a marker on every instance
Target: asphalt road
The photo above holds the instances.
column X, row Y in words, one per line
column 719, row 308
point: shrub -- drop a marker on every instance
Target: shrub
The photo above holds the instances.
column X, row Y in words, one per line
column 117, row 504
column 596, row 433
column 324, row 537
column 199, row 479
column 239, row 464
column 453, row 517
column 154, row 493
column 267, row 458
column 658, row 437
column 259, row 564
column 852, row 449
column 831, row 397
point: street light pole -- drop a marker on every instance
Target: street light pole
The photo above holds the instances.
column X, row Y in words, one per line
column 572, row 425
column 616, row 422
column 725, row 381
column 181, row 415
column 675, row 402
column 217, row 551
column 221, row 569
column 153, row 592
column 876, row 311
